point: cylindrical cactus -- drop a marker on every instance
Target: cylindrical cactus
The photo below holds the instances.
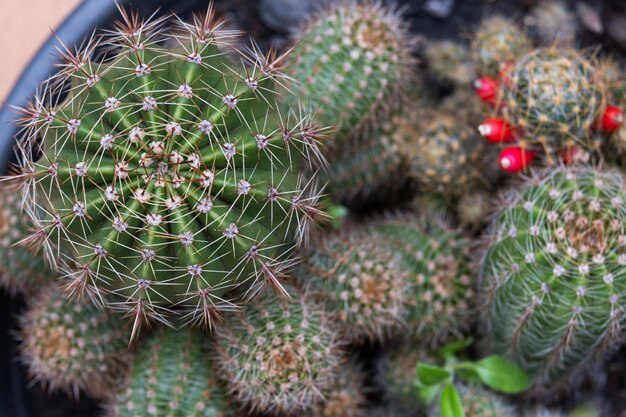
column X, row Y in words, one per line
column 449, row 63
column 478, row 402
column 553, row 96
column 72, row 346
column 497, row 41
column 172, row 375
column 278, row 355
column 168, row 174
column 554, row 275
column 353, row 61
column 361, row 283
column 23, row 268
column 440, row 285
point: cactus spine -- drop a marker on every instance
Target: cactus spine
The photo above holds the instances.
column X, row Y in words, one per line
column 72, row 346
column 168, row 173
column 555, row 273
column 172, row 376
column 277, row 355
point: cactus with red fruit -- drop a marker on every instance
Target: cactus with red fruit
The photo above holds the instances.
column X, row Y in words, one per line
column 168, row 175
column 554, row 274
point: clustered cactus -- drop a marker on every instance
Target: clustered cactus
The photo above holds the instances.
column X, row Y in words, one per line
column 176, row 181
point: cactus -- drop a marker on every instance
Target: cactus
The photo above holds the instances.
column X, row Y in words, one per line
column 497, row 41
column 554, row 23
column 72, row 346
column 478, row 402
column 449, row 63
column 447, row 156
column 474, row 207
column 168, row 173
column 23, row 268
column 346, row 396
column 361, row 283
column 172, row 375
column 398, row 372
column 353, row 60
column 277, row 356
column 440, row 285
column 554, row 97
column 554, row 275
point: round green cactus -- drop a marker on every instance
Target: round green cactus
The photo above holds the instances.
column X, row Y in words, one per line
column 353, row 61
column 72, row 346
column 554, row 96
column 172, row 376
column 555, row 273
column 361, row 283
column 497, row 41
column 23, row 268
column 278, row 356
column 440, row 285
column 478, row 402
column 168, row 174
column 449, row 62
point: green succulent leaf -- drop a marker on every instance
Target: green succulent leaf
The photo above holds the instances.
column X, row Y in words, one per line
column 431, row 375
column 502, row 375
column 451, row 349
column 451, row 405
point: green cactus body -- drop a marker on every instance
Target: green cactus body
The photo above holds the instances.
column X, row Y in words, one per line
column 168, row 174
column 346, row 397
column 555, row 272
column 478, row 402
column 172, row 376
column 449, row 63
column 72, row 346
column 497, row 41
column 446, row 156
column 440, row 285
column 23, row 268
column 360, row 282
column 278, row 356
column 553, row 95
column 353, row 61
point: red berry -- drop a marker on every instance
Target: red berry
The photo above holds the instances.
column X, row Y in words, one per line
column 514, row 159
column 486, row 89
column 611, row 119
column 570, row 154
column 503, row 73
column 497, row 130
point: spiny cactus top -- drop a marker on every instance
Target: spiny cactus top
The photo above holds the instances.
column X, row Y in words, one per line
column 168, row 174
column 555, row 274
column 553, row 95
column 353, row 61
column 73, row 346
column 172, row 376
column 278, row 355
column 23, row 267
column 497, row 41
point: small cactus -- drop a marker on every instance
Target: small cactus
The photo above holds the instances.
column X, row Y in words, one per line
column 23, row 269
column 478, row 402
column 474, row 207
column 278, row 356
column 554, row 96
column 346, row 397
column 497, row 41
column 361, row 283
column 353, row 60
column 555, row 273
column 168, row 174
column 440, row 286
column 398, row 372
column 172, row 376
column 554, row 23
column 449, row 63
column 72, row 346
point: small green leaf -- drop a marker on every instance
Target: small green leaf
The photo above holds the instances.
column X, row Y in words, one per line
column 428, row 393
column 451, row 405
column 502, row 375
column 450, row 350
column 431, row 375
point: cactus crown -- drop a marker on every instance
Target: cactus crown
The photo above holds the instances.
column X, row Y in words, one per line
column 555, row 274
column 168, row 175
column 554, row 95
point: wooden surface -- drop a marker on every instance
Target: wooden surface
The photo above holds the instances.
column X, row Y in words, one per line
column 24, row 26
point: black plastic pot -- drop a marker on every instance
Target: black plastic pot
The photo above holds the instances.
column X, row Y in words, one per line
column 16, row 399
